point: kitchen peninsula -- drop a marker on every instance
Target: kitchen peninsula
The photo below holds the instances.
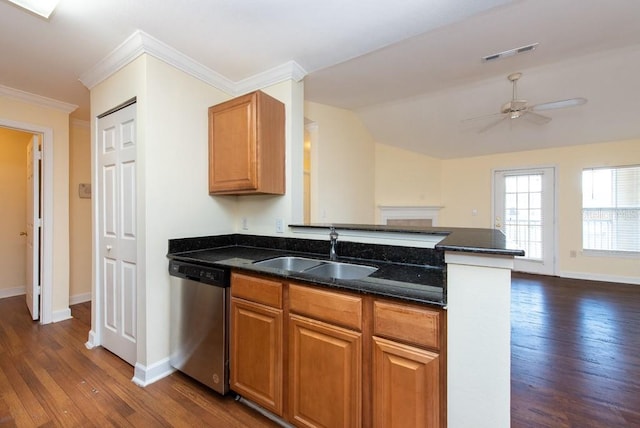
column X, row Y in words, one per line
column 462, row 281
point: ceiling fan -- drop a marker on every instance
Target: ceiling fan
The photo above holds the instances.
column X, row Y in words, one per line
column 517, row 108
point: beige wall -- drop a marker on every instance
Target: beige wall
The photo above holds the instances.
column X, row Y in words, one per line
column 58, row 121
column 467, row 185
column 79, row 213
column 406, row 178
column 13, row 192
column 342, row 167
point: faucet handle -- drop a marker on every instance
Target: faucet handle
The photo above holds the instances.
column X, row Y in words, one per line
column 332, row 233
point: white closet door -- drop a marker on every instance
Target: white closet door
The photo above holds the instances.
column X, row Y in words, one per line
column 117, row 266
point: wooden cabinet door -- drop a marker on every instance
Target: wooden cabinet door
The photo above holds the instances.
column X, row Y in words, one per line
column 232, row 146
column 256, row 353
column 325, row 374
column 247, row 146
column 406, row 382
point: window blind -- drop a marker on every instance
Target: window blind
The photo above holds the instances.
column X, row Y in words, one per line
column 611, row 209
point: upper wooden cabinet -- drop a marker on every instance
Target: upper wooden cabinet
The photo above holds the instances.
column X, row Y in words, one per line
column 246, row 146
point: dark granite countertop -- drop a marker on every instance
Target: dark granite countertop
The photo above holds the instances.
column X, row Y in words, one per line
column 472, row 240
column 412, row 274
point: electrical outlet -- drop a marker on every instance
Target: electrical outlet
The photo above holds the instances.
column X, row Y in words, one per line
column 279, row 225
column 245, row 224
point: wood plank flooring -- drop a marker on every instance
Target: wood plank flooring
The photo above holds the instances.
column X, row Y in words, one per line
column 575, row 363
column 575, row 353
column 49, row 379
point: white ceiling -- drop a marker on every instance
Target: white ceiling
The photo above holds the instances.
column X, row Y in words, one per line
column 410, row 68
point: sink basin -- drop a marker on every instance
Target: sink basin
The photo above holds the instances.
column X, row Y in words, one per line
column 293, row 264
column 324, row 269
column 341, row 270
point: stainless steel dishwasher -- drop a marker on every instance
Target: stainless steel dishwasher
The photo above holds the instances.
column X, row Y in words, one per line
column 199, row 313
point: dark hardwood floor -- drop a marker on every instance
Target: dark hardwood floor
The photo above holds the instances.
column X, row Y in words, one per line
column 575, row 353
column 49, row 379
column 575, row 363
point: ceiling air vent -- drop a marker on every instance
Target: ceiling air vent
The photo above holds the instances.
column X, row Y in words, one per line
column 510, row 52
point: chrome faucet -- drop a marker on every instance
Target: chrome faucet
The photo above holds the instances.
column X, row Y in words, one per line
column 333, row 237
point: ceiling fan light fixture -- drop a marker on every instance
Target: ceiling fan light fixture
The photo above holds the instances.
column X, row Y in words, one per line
column 510, row 52
column 43, row 8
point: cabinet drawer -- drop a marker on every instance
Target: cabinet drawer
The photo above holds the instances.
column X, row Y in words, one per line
column 257, row 290
column 408, row 323
column 329, row 306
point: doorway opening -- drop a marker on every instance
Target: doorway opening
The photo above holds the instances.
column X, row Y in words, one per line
column 40, row 277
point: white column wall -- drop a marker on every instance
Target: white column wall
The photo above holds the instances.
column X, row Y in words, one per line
column 478, row 340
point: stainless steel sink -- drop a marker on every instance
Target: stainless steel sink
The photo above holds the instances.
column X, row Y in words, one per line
column 339, row 270
column 293, row 264
column 319, row 268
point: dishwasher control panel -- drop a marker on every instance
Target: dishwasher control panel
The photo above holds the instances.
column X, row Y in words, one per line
column 207, row 274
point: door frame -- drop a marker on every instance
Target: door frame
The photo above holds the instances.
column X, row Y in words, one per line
column 46, row 246
column 554, row 171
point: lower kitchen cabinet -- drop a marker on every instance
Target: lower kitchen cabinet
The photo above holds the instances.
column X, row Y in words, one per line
column 325, row 374
column 408, row 368
column 323, row 358
column 256, row 346
column 405, row 386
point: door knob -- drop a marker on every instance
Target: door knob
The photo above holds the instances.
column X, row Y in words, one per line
column 24, row 234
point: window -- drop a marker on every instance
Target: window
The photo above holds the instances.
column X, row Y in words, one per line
column 611, row 209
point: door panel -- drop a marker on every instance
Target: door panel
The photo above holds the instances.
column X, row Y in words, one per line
column 109, row 201
column 524, row 210
column 110, row 296
column 33, row 227
column 117, row 244
column 128, row 299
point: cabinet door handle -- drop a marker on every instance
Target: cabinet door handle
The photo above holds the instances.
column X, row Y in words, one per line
column 24, row 234
column 109, row 247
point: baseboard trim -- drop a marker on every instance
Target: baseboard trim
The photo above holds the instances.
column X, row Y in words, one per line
column 600, row 277
column 11, row 292
column 62, row 315
column 144, row 376
column 79, row 298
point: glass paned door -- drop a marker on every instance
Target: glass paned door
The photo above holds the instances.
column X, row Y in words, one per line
column 524, row 211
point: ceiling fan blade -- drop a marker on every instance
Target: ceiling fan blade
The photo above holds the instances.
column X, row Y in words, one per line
column 571, row 102
column 535, row 117
column 483, row 117
column 492, row 124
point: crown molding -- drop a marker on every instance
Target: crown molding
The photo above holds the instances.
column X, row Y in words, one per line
column 122, row 55
column 290, row 70
column 140, row 43
column 36, row 99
